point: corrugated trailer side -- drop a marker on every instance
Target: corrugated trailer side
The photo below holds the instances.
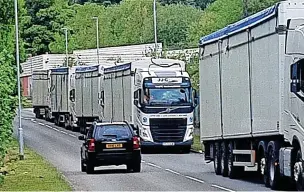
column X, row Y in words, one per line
column 40, row 99
column 242, row 74
column 118, row 93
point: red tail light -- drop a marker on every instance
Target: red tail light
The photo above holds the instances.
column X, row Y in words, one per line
column 91, row 147
column 136, row 142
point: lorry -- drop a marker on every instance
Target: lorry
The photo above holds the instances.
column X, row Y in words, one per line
column 251, row 95
column 63, row 97
column 156, row 97
column 86, row 85
column 41, row 96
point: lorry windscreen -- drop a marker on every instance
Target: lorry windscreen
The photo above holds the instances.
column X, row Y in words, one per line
column 167, row 96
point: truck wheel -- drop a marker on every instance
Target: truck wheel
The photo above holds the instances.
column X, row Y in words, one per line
column 232, row 171
column 298, row 171
column 274, row 169
column 224, row 160
column 217, row 159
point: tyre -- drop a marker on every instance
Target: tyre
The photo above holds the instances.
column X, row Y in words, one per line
column 187, row 149
column 217, row 159
column 224, row 160
column 232, row 171
column 298, row 171
column 83, row 167
column 274, row 169
column 137, row 167
column 261, row 159
column 89, row 168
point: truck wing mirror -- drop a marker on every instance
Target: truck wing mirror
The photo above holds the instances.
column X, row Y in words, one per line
column 295, row 37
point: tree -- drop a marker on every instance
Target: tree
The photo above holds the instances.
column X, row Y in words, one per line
column 47, row 18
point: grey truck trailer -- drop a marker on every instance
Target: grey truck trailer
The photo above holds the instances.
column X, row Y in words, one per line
column 252, row 95
column 41, row 95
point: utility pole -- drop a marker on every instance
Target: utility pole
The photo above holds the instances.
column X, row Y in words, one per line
column 66, row 46
column 155, row 27
column 20, row 130
column 245, row 6
column 97, row 38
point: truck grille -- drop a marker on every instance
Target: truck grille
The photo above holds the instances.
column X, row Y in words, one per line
column 168, row 130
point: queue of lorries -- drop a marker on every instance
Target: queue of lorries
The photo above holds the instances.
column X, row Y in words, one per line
column 251, row 97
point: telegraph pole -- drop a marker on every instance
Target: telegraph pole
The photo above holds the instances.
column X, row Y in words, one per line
column 66, row 45
column 245, row 7
column 155, row 27
column 20, row 130
column 97, row 38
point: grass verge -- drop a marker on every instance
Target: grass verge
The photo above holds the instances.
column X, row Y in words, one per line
column 197, row 144
column 31, row 174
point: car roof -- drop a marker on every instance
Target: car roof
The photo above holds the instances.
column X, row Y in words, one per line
column 111, row 123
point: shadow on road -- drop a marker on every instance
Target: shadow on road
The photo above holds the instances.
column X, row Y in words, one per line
column 109, row 171
column 162, row 150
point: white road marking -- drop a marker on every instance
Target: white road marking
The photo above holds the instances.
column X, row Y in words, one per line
column 48, row 126
column 33, row 120
column 41, row 124
column 169, row 170
column 222, row 188
column 72, row 135
column 143, row 161
column 64, row 132
column 56, row 129
column 153, row 165
column 194, row 179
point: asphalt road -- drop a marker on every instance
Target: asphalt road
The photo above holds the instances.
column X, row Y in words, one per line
column 160, row 172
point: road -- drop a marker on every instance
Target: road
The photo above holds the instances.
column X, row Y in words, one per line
column 160, row 172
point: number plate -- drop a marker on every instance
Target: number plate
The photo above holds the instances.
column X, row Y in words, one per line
column 111, row 146
column 168, row 144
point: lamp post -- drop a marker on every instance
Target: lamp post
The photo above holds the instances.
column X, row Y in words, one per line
column 97, row 37
column 155, row 27
column 66, row 45
column 20, row 130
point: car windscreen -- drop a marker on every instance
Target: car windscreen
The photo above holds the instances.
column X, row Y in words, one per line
column 112, row 131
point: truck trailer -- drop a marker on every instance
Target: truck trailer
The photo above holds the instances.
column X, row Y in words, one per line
column 251, row 95
column 87, row 89
column 41, row 95
column 63, row 97
column 156, row 96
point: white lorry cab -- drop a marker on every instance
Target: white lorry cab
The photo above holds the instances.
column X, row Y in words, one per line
column 156, row 96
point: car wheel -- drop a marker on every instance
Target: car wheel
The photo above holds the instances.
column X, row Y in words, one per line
column 89, row 168
column 83, row 167
column 136, row 167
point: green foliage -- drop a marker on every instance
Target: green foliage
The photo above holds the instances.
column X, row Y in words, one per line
column 46, row 19
column 258, row 5
column 8, row 85
column 130, row 22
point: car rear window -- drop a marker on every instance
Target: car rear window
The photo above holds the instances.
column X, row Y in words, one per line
column 112, row 131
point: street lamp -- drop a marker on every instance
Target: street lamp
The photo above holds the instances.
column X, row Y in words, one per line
column 66, row 45
column 97, row 38
column 20, row 130
column 155, row 28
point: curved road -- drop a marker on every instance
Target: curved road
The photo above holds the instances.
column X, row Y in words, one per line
column 160, row 172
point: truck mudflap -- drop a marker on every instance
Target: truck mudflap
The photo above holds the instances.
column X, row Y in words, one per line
column 166, row 144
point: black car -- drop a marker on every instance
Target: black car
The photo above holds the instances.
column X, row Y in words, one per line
column 110, row 144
